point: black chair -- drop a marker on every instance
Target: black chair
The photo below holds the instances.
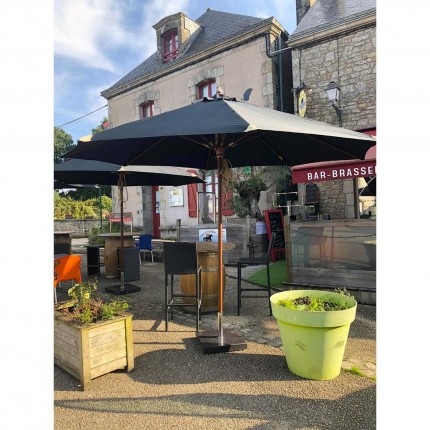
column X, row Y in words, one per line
column 254, row 261
column 180, row 258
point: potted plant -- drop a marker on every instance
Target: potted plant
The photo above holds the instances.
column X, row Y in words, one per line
column 92, row 338
column 314, row 327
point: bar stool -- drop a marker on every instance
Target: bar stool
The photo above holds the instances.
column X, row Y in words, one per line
column 180, row 258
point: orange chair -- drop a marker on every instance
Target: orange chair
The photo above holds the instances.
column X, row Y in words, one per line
column 67, row 268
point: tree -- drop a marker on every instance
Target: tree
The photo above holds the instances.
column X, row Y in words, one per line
column 248, row 191
column 63, row 142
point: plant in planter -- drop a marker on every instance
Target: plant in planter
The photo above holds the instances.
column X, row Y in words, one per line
column 314, row 327
column 92, row 338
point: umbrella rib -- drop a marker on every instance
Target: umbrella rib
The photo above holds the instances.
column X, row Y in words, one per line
column 333, row 146
column 275, row 152
column 146, row 150
column 208, row 144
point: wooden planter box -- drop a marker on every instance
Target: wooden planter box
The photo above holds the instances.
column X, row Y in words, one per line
column 91, row 350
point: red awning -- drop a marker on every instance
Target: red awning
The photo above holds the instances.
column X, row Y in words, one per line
column 337, row 170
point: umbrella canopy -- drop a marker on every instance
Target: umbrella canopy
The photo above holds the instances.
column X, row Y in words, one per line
column 249, row 135
column 205, row 134
column 100, row 173
column 58, row 185
column 370, row 189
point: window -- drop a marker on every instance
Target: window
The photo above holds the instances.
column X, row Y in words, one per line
column 170, row 45
column 206, row 89
column 211, row 186
column 146, row 109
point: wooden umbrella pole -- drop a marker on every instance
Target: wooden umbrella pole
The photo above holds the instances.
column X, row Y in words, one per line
column 219, row 156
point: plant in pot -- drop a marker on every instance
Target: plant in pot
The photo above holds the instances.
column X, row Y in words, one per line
column 92, row 338
column 314, row 327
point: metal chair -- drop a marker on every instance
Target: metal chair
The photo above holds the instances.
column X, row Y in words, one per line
column 145, row 244
column 254, row 261
column 67, row 268
column 180, row 258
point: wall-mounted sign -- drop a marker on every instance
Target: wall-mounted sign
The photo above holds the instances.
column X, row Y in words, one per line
column 260, row 227
column 333, row 171
column 176, row 197
column 211, row 235
column 302, row 103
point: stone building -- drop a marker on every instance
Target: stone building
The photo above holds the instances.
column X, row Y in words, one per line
column 335, row 41
column 234, row 53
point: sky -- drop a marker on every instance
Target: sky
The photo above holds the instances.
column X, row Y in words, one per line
column 97, row 42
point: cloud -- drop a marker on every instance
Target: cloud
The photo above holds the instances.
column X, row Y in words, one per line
column 91, row 32
column 83, row 29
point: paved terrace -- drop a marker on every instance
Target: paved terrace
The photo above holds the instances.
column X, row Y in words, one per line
column 175, row 386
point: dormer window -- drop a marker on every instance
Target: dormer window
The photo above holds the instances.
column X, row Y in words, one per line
column 206, row 89
column 146, row 109
column 170, row 45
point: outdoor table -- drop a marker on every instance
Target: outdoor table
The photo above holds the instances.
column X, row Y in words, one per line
column 62, row 242
column 207, row 257
column 112, row 243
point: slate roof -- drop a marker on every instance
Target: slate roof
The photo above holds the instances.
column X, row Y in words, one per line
column 216, row 27
column 325, row 14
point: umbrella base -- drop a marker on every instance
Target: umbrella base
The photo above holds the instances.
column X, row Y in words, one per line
column 118, row 291
column 212, row 344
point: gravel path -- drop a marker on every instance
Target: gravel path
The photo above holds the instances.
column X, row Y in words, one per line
column 175, row 386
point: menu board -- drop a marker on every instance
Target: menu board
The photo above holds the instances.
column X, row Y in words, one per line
column 275, row 224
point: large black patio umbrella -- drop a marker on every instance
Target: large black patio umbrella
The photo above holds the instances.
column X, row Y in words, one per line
column 214, row 133
column 77, row 171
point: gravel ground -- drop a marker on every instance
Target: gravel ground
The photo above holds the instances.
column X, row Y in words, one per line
column 175, row 386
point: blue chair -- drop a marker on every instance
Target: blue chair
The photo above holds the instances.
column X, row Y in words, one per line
column 145, row 244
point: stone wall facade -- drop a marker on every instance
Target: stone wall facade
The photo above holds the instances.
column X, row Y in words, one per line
column 349, row 59
column 78, row 227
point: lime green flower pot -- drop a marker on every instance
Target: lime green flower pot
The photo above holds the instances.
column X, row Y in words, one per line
column 313, row 342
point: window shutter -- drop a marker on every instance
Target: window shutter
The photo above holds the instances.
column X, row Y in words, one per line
column 192, row 197
column 227, row 203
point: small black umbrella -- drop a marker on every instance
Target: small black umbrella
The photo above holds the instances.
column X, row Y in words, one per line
column 101, row 173
column 59, row 185
column 370, row 189
column 208, row 134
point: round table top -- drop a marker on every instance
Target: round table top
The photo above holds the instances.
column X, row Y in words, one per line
column 213, row 246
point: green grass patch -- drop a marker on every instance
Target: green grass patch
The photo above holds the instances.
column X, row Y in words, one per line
column 278, row 274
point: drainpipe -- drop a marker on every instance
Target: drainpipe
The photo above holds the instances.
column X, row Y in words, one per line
column 281, row 84
column 282, row 36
